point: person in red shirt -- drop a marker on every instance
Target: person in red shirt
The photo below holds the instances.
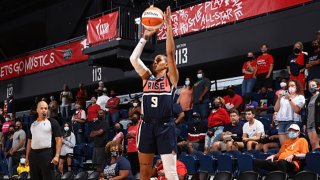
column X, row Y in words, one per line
column 158, row 170
column 296, row 64
column 248, row 69
column 132, row 143
column 81, row 95
column 264, row 70
column 113, row 106
column 217, row 119
column 92, row 112
column 232, row 100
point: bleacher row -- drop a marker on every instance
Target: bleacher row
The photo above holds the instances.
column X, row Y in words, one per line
column 240, row 165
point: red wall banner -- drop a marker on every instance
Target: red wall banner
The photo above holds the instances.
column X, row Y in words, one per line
column 102, row 28
column 218, row 12
column 44, row 60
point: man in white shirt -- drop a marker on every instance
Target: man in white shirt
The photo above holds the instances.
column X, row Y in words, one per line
column 102, row 100
column 252, row 130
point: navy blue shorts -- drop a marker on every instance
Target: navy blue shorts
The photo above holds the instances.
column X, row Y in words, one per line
column 158, row 138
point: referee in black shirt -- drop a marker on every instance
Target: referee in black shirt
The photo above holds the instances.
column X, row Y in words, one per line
column 39, row 147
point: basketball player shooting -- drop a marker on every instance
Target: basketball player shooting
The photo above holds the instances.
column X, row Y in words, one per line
column 157, row 130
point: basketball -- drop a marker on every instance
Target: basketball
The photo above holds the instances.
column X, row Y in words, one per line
column 152, row 18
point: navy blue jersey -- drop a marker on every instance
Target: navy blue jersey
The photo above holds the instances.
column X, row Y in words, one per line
column 157, row 99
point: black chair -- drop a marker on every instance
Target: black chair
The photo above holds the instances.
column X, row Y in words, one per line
column 68, row 175
column 94, row 176
column 249, row 175
column 306, row 175
column 23, row 175
column 276, row 175
column 81, row 176
column 223, row 176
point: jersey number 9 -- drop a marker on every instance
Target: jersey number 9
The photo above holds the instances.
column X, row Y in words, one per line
column 154, row 102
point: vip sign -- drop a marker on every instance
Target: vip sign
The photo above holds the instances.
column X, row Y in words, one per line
column 181, row 54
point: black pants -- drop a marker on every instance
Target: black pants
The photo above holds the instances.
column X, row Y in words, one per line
column 281, row 165
column 262, row 81
column 40, row 164
column 134, row 162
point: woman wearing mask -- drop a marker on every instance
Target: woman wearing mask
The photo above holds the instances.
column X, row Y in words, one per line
column 313, row 64
column 296, row 64
column 119, row 137
column 136, row 107
column 313, row 114
column 186, row 99
column 283, row 86
column 217, row 119
column 248, row 69
column 118, row 167
column 288, row 106
column 68, row 143
column 132, row 143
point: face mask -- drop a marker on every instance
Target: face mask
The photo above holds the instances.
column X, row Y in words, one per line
column 135, row 104
column 199, row 76
column 66, row 128
column 7, row 119
column 134, row 120
column 250, row 58
column 292, row 90
column 22, row 160
column 100, row 117
column 93, row 102
column 315, row 47
column 296, row 50
column 313, row 89
column 292, row 134
column 114, row 153
column 283, row 84
column 17, row 127
column 187, row 83
column 215, row 106
column 230, row 93
column 11, row 132
column 264, row 50
column 77, row 107
column 117, row 129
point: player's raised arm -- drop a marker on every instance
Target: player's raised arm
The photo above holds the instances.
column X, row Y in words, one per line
column 170, row 50
column 135, row 60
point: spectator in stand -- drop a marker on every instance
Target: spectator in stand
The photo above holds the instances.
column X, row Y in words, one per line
column 78, row 123
column 288, row 158
column 18, row 144
column 23, row 166
column 102, row 98
column 132, row 143
column 201, row 95
column 296, row 64
column 7, row 147
column 68, row 143
column 11, row 106
column 271, row 139
column 217, row 119
column 232, row 133
column 2, row 120
column 53, row 108
column 186, row 99
column 93, row 110
column 283, row 86
column 136, row 107
column 5, row 127
column 82, row 95
column 250, row 103
column 118, row 167
column 33, row 109
column 100, row 137
column 313, row 63
column 5, row 108
column 158, row 171
column 266, row 99
column 264, row 71
column 232, row 100
column 312, row 118
column 289, row 106
column 248, row 69
column 65, row 98
column 196, row 135
column 253, row 130
column 119, row 136
column 113, row 106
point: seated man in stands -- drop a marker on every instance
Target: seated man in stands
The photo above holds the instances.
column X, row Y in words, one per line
column 287, row 159
column 252, row 130
column 232, row 133
column 232, row 99
column 196, row 134
column 157, row 170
